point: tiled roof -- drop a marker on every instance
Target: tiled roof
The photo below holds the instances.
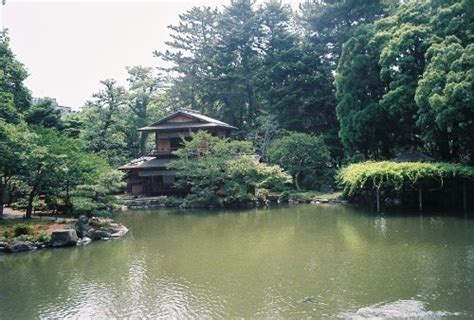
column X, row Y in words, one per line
column 202, row 121
column 146, row 163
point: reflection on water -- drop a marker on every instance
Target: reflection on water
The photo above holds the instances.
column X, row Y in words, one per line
column 401, row 309
column 289, row 262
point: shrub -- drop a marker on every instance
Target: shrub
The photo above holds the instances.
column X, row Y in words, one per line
column 8, row 233
column 262, row 194
column 305, row 157
column 43, row 236
column 172, row 202
column 25, row 237
column 224, row 173
column 21, row 229
column 102, row 213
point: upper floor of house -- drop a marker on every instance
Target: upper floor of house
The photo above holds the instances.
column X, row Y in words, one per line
column 170, row 131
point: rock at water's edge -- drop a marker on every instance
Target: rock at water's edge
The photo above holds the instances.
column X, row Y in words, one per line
column 84, row 241
column 99, row 234
column 64, row 238
column 20, row 246
column 82, row 226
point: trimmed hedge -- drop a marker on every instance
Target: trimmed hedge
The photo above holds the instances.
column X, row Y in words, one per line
column 389, row 174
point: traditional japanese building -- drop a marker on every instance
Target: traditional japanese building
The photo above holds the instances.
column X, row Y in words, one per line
column 149, row 175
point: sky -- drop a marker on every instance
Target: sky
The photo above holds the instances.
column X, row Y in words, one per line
column 69, row 46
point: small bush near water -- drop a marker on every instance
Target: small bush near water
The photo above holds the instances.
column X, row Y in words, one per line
column 21, row 229
column 43, row 236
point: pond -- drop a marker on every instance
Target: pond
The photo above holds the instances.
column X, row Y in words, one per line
column 287, row 262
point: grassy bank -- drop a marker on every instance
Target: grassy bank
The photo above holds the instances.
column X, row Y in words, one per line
column 29, row 230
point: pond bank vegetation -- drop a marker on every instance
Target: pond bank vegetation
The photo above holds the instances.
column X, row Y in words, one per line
column 268, row 199
column 19, row 235
column 408, row 183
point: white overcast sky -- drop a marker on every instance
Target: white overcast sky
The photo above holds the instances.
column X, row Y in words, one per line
column 69, row 46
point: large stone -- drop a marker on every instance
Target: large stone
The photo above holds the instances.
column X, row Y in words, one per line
column 82, row 226
column 20, row 246
column 64, row 238
column 100, row 234
column 84, row 241
column 105, row 229
column 119, row 231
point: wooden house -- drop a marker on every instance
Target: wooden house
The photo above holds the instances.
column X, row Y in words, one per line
column 149, row 175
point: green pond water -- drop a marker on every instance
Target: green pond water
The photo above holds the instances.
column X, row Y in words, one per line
column 306, row 261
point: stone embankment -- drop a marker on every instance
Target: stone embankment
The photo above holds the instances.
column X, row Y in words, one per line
column 84, row 231
column 145, row 203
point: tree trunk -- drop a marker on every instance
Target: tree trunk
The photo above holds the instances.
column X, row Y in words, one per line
column 29, row 208
column 67, row 200
column 464, row 196
column 420, row 198
column 296, row 181
column 252, row 107
column 378, row 200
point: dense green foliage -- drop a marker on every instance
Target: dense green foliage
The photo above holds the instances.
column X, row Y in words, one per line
column 38, row 154
column 395, row 175
column 15, row 98
column 250, row 60
column 220, row 172
column 373, row 78
column 306, row 158
column 108, row 123
column 406, row 81
column 43, row 113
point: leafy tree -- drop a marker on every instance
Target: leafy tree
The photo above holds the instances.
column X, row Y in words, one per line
column 305, row 157
column 142, row 93
column 45, row 114
column 327, row 25
column 56, row 166
column 15, row 98
column 220, row 172
column 445, row 96
column 385, row 104
column 245, row 176
column 73, row 124
column 282, row 74
column 43, row 166
column 109, row 122
column 40, row 160
column 365, row 125
column 238, row 60
column 13, row 150
column 99, row 197
column 102, row 118
column 266, row 130
column 7, row 108
column 191, row 59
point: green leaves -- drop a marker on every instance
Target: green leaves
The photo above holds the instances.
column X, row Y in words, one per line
column 220, row 172
column 304, row 156
column 15, row 98
column 445, row 96
column 395, row 175
column 402, row 83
